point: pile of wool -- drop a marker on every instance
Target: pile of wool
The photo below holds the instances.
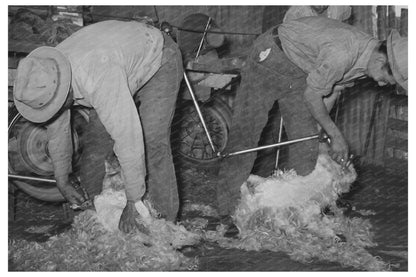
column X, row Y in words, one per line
column 109, row 206
column 94, row 242
column 284, row 213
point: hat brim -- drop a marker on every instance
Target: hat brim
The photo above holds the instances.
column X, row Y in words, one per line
column 394, row 35
column 64, row 83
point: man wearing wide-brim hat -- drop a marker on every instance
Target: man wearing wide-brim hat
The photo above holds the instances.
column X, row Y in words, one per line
column 109, row 66
column 302, row 65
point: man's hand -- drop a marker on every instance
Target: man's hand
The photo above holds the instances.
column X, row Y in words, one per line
column 339, row 147
column 339, row 150
column 131, row 220
column 71, row 194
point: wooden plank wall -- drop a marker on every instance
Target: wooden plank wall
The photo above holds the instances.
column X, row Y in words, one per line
column 365, row 139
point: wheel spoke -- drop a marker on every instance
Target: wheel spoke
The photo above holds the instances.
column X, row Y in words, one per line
column 194, row 140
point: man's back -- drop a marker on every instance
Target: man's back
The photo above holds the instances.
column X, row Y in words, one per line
column 134, row 46
column 328, row 50
column 312, row 33
column 340, row 13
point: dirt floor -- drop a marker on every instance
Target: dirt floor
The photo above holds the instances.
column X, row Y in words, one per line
column 376, row 190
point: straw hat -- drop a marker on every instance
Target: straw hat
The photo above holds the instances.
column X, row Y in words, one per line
column 42, row 84
column 397, row 56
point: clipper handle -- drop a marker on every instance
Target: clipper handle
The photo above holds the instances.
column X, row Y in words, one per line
column 324, row 137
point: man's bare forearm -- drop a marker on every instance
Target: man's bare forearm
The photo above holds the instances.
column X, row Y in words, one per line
column 319, row 111
column 330, row 100
column 61, row 181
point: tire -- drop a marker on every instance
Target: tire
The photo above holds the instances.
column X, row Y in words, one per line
column 190, row 143
column 28, row 154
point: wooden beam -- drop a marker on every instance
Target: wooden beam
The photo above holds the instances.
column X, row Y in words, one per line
column 382, row 22
column 391, row 19
column 362, row 17
column 403, row 23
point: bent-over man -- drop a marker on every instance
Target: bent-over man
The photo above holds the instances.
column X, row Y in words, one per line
column 299, row 64
column 129, row 74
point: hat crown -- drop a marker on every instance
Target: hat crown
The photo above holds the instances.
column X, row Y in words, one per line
column 42, row 84
column 37, row 81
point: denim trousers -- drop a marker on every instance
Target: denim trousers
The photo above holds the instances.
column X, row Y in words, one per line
column 155, row 102
column 268, row 76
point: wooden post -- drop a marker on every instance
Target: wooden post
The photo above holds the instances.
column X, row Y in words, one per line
column 362, row 18
column 382, row 22
column 391, row 19
column 403, row 23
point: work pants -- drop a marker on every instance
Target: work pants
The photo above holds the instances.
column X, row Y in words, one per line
column 156, row 102
column 267, row 77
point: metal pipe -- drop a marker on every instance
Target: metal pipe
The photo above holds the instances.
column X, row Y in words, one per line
column 338, row 103
column 167, row 30
column 270, row 146
column 279, row 139
column 198, row 110
column 203, row 38
column 32, row 178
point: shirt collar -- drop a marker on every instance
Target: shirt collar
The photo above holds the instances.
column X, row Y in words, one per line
column 360, row 67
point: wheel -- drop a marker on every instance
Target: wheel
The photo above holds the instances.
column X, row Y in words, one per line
column 29, row 156
column 192, row 145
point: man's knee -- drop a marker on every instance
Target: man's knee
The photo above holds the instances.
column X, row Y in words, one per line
column 303, row 157
column 306, row 167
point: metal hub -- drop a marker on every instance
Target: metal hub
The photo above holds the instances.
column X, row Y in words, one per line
column 33, row 148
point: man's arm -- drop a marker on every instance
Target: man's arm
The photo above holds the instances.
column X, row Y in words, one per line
column 60, row 150
column 331, row 99
column 117, row 111
column 319, row 111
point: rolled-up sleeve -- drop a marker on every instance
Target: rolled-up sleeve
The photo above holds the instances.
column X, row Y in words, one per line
column 116, row 109
column 60, row 144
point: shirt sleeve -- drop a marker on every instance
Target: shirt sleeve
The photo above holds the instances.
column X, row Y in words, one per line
column 60, row 144
column 117, row 111
column 340, row 13
column 330, row 67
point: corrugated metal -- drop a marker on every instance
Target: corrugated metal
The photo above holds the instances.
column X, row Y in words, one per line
column 355, row 121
